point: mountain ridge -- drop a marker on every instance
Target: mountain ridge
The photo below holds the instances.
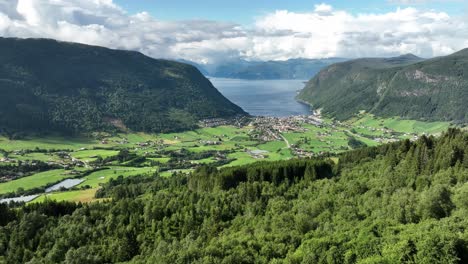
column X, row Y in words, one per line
column 70, row 87
column 408, row 86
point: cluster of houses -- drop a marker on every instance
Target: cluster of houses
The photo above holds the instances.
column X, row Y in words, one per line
column 238, row 121
column 313, row 119
column 270, row 128
column 298, row 152
column 388, row 135
column 210, row 142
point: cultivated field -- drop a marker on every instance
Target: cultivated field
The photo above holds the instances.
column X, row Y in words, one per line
column 103, row 156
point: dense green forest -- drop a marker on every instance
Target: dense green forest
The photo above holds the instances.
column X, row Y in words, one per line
column 405, row 202
column 404, row 86
column 46, row 85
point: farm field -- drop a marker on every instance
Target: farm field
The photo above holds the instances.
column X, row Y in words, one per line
column 92, row 154
column 99, row 177
column 47, row 143
column 400, row 125
column 33, row 181
column 83, row 196
column 223, row 146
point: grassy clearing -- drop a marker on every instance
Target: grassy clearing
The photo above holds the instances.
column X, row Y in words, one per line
column 90, row 155
column 46, row 143
column 226, row 133
column 282, row 154
column 273, row 146
column 318, row 139
column 242, row 158
column 84, row 196
column 33, row 181
column 402, row 125
column 36, row 156
column 103, row 176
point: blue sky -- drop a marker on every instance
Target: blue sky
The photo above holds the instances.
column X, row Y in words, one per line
column 246, row 11
column 259, row 30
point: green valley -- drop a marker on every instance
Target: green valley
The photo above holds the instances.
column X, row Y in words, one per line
column 233, row 132
column 400, row 202
column 32, row 164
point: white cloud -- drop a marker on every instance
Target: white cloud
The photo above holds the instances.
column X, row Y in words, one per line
column 323, row 8
column 418, row 2
column 339, row 33
column 322, row 32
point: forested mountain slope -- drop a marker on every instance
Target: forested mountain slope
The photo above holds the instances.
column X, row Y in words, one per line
column 46, row 85
column 435, row 89
column 405, row 202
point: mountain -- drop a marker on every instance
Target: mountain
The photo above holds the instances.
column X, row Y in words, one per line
column 301, row 69
column 405, row 86
column 202, row 69
column 46, row 85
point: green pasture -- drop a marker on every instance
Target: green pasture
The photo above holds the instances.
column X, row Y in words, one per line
column 46, row 143
column 74, row 196
column 402, row 125
column 103, row 176
column 92, row 154
column 37, row 180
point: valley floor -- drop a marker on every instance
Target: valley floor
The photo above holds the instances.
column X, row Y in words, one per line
column 43, row 162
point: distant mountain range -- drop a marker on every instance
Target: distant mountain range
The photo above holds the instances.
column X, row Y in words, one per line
column 300, row 69
column 46, row 85
column 405, row 86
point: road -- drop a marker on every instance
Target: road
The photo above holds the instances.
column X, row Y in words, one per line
column 286, row 140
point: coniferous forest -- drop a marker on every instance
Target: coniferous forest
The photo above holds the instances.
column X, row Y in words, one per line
column 404, row 202
column 48, row 86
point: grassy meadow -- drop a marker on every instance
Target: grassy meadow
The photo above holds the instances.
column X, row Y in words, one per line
column 234, row 143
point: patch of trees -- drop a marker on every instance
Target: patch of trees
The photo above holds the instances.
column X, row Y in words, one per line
column 209, row 177
column 124, row 158
column 183, row 159
column 354, row 143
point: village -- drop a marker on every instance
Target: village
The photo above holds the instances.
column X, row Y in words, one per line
column 303, row 136
column 262, row 129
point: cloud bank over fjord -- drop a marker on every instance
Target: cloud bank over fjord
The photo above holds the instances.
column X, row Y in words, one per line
column 322, row 32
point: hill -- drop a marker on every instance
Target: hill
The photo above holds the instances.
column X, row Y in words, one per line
column 300, row 69
column 404, row 86
column 48, row 85
column 405, row 202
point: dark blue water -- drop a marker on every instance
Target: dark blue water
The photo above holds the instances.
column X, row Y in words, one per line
column 264, row 97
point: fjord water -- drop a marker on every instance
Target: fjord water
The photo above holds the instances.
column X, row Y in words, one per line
column 264, row 97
